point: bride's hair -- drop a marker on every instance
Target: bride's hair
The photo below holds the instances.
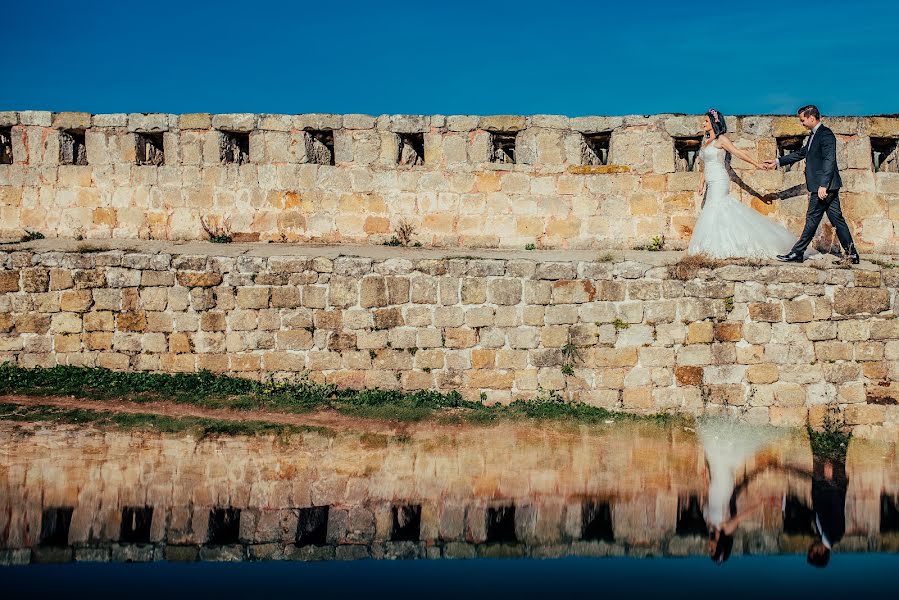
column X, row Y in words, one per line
column 718, row 123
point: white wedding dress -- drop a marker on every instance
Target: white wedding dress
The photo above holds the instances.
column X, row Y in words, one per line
column 726, row 227
column 729, row 447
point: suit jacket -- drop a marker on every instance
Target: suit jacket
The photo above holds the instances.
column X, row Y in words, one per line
column 821, row 168
column 829, row 499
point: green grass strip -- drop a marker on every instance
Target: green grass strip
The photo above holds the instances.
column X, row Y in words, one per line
column 210, row 390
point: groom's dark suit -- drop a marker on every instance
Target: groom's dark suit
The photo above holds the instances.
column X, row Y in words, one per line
column 820, row 154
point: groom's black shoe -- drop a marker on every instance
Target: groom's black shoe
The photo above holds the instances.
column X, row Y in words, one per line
column 854, row 258
column 791, row 257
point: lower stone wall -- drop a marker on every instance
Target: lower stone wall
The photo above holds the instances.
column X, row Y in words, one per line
column 633, row 331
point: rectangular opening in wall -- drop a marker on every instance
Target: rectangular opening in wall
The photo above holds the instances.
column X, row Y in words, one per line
column 72, row 150
column 412, row 149
column 320, row 146
column 312, row 526
column 5, row 145
column 686, row 150
column 150, row 149
column 597, row 522
column 690, row 520
column 798, row 517
column 501, row 524
column 889, row 514
column 235, row 147
column 786, row 145
column 55, row 523
column 596, row 148
column 224, row 525
column 502, row 145
column 885, row 155
column 136, row 521
column 406, row 525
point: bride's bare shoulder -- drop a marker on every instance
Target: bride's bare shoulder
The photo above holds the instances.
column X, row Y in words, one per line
column 723, row 141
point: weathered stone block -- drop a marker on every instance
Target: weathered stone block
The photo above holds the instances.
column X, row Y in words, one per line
column 198, row 279
column 9, row 281
column 852, row 301
column 799, row 311
column 762, row 373
column 767, row 312
column 700, row 333
column 65, row 323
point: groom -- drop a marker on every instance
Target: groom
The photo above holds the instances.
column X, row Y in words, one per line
column 822, row 178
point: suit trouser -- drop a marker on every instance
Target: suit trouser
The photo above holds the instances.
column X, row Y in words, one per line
column 816, row 210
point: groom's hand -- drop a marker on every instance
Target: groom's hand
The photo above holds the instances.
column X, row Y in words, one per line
column 769, row 165
column 822, row 193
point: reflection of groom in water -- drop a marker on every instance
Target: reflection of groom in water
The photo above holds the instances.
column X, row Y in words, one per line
column 829, row 485
column 827, row 517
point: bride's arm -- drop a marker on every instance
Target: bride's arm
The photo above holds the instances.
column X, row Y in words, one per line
column 729, row 146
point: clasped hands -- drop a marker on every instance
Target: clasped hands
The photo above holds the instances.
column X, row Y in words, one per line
column 770, row 165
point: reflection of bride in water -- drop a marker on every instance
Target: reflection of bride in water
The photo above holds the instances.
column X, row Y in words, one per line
column 729, row 446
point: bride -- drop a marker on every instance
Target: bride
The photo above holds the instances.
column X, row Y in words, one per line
column 726, row 227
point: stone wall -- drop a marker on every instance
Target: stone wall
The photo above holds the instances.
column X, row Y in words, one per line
column 586, row 182
column 632, row 331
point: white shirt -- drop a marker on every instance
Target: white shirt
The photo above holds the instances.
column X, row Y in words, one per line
column 824, row 539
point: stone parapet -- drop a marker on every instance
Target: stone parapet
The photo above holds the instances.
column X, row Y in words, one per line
column 458, row 181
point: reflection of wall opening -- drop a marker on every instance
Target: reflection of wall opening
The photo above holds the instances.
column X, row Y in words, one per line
column 312, row 526
column 406, row 523
column 885, row 155
column 501, row 524
column 5, row 145
column 689, row 518
column 596, row 148
column 412, row 149
column 685, row 151
column 786, row 145
column 150, row 149
column 798, row 517
column 72, row 150
column 502, row 147
column 320, row 146
column 889, row 515
column 136, row 521
column 55, row 524
column 224, row 525
column 235, row 147
column 597, row 522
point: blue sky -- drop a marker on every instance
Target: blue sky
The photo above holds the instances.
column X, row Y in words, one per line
column 463, row 57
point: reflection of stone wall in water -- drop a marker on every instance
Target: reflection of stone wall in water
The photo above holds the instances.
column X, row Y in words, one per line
column 478, row 182
column 458, row 477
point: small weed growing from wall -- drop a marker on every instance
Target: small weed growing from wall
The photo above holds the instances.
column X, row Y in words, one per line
column 402, row 235
column 572, row 355
column 217, row 234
